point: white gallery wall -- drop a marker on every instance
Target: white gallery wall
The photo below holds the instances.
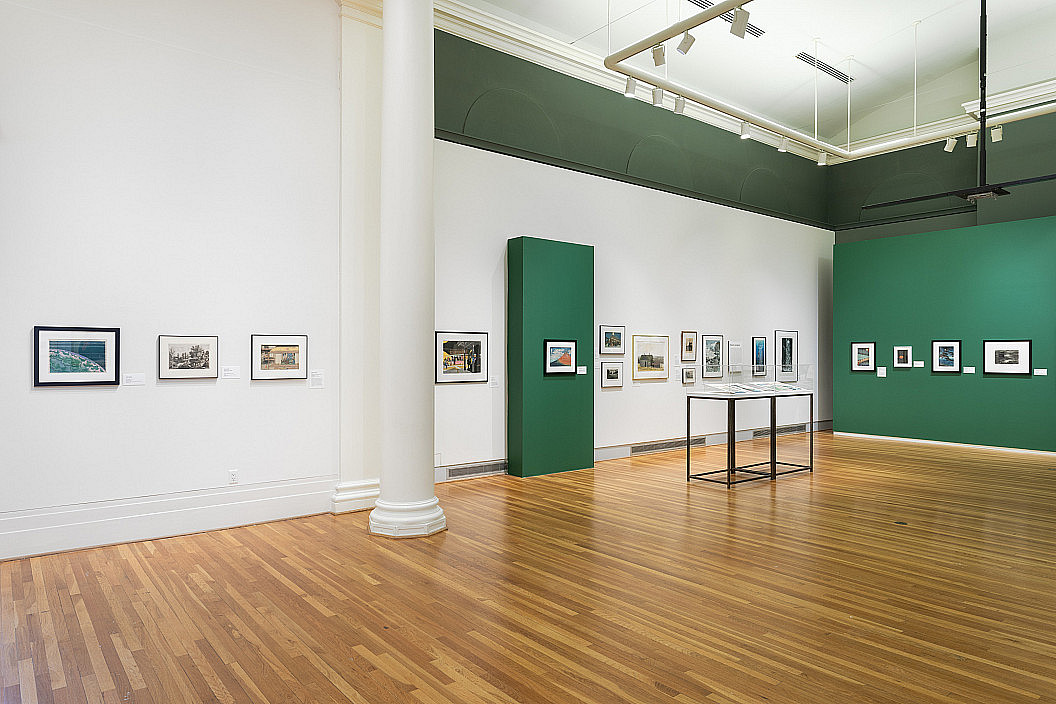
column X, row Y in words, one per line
column 167, row 168
column 663, row 263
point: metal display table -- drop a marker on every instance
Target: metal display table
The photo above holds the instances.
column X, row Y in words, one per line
column 731, row 435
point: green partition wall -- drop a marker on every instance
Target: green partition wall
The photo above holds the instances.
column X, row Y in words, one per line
column 550, row 419
column 990, row 282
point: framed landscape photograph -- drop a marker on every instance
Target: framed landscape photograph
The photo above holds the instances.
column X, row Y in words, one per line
column 946, row 356
column 278, row 357
column 559, row 357
column 186, row 357
column 758, row 356
column 1007, row 357
column 689, row 345
column 76, row 356
column 786, row 349
column 461, row 357
column 863, row 356
column 902, row 356
column 611, row 374
column 711, row 349
column 650, row 356
column 689, row 375
column 610, row 339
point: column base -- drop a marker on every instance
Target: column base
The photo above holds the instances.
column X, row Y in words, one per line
column 412, row 519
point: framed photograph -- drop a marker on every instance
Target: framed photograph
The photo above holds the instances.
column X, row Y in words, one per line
column 1007, row 357
column 278, row 356
column 610, row 339
column 689, row 345
column 863, row 356
column 946, row 356
column 786, row 349
column 758, row 356
column 734, row 356
column 186, row 357
column 76, row 356
column 559, row 357
column 902, row 356
column 650, row 356
column 689, row 375
column 461, row 357
column 611, row 374
column 711, row 349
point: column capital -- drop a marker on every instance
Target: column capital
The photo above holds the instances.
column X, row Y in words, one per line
column 365, row 11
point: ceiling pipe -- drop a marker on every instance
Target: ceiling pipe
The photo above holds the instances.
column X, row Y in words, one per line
column 614, row 61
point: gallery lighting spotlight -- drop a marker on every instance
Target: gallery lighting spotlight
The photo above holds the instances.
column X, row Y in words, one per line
column 823, row 159
column 971, row 139
column 658, row 96
column 740, row 22
column 658, row 55
column 783, row 147
column 951, row 144
column 745, row 134
column 680, row 104
column 686, row 43
column 997, row 134
column 631, row 85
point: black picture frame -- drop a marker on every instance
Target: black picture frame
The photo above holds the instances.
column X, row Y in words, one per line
column 991, row 366
column 258, row 373
column 212, row 371
column 786, row 372
column 757, row 368
column 616, row 329
column 871, row 367
column 111, row 339
column 440, row 376
column 562, row 369
column 936, row 366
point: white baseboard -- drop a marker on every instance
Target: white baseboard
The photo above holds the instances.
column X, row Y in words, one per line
column 61, row 528
column 358, row 495
column 948, row 444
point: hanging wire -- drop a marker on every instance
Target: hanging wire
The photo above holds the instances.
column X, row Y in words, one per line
column 815, row 88
column 849, row 60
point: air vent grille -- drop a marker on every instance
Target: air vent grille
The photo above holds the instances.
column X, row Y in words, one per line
column 824, row 67
column 665, row 445
column 728, row 16
column 781, row 430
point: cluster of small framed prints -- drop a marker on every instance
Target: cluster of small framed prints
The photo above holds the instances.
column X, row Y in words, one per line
column 90, row 356
column 649, row 355
column 999, row 357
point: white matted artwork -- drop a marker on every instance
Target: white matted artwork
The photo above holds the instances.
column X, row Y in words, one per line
column 559, row 357
column 610, row 339
column 461, row 357
column 902, row 356
column 689, row 345
column 279, row 357
column 1007, row 357
column 611, row 374
column 711, row 350
column 689, row 375
column 76, row 356
column 758, row 356
column 863, row 356
column 734, row 356
column 786, row 351
column 187, row 357
column 946, row 356
column 650, row 356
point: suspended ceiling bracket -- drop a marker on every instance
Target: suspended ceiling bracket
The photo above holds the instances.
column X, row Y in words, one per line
column 955, row 127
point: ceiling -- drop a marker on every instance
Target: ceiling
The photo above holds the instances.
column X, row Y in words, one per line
column 872, row 42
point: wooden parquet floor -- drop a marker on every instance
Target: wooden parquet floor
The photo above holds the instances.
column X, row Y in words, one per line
column 896, row 573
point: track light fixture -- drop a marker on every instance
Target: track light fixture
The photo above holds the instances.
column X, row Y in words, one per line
column 630, row 89
column 951, row 144
column 658, row 55
column 745, row 133
column 971, row 139
column 783, row 147
column 686, row 43
column 823, row 159
column 680, row 104
column 658, row 96
column 740, row 22
column 997, row 134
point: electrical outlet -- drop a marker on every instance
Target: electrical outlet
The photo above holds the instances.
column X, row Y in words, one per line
column 232, row 476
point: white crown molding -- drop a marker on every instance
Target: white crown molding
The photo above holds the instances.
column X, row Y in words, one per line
column 1015, row 99
column 365, row 11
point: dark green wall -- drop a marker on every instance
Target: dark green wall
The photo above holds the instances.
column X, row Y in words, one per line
column 498, row 102
column 987, row 282
column 550, row 419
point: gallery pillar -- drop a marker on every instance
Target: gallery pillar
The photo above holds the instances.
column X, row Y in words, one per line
column 407, row 504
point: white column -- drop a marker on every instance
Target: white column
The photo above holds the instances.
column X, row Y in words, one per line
column 407, row 505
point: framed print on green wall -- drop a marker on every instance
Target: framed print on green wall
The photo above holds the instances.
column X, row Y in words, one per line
column 863, row 356
column 946, row 356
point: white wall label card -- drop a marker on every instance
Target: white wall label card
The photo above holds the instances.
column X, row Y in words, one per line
column 969, row 370
column 317, row 379
column 493, row 382
column 581, row 370
column 1041, row 372
column 230, row 372
column 881, row 372
column 918, row 362
column 133, row 380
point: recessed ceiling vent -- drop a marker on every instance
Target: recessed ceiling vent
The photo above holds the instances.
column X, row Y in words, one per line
column 824, row 67
column 728, row 16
